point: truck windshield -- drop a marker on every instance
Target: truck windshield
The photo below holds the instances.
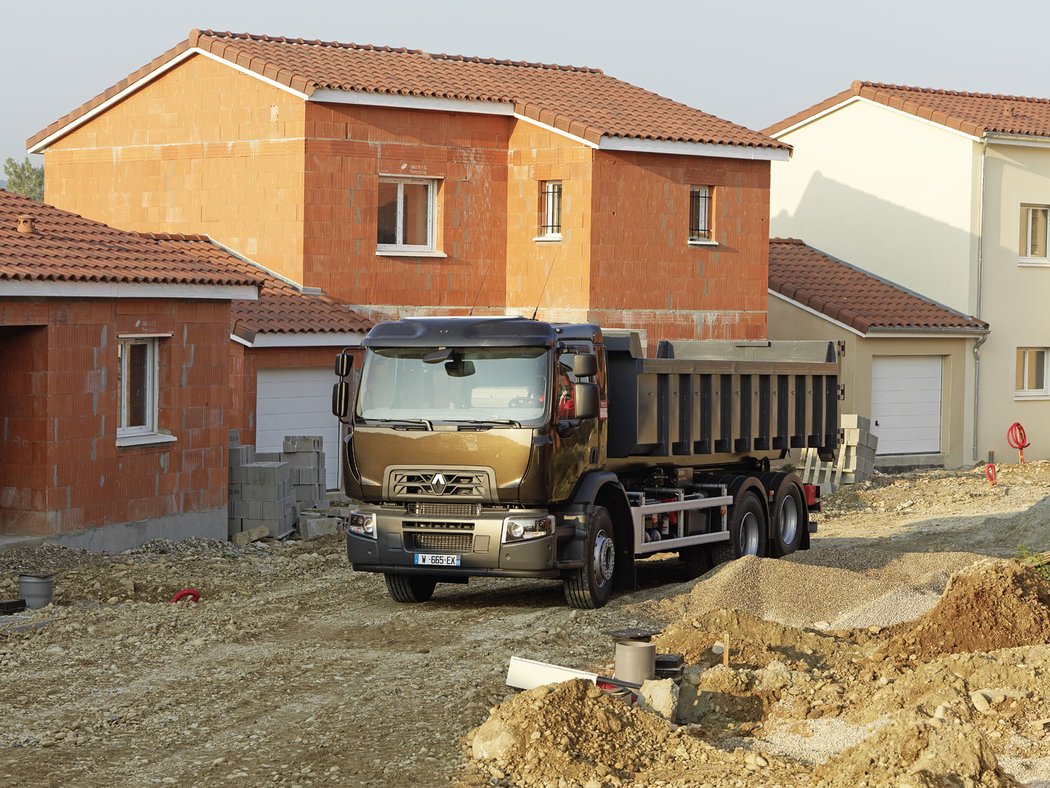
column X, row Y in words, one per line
column 497, row 386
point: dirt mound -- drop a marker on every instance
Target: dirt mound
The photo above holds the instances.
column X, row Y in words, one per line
column 990, row 605
column 570, row 731
column 753, row 642
column 917, row 753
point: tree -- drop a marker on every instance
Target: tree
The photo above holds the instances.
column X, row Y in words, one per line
column 24, row 179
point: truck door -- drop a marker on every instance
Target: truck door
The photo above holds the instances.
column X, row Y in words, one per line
column 576, row 441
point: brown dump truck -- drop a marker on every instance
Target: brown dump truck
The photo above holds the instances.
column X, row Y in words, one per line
column 508, row 447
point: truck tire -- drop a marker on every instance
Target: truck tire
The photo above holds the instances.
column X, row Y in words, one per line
column 590, row 586
column 410, row 588
column 788, row 517
column 747, row 531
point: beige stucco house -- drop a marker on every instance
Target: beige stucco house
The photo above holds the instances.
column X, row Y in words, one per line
column 903, row 357
column 947, row 194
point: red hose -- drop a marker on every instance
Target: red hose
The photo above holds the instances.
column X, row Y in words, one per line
column 989, row 472
column 1017, row 439
column 187, row 593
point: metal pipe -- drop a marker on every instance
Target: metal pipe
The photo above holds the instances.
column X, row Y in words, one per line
column 980, row 294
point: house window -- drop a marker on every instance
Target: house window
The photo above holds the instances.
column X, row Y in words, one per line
column 137, row 384
column 1033, row 243
column 406, row 215
column 700, row 214
column 1030, row 376
column 550, row 210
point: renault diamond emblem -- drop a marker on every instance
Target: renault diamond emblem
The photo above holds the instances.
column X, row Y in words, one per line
column 438, row 484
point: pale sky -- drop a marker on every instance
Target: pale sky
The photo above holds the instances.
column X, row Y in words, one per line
column 751, row 62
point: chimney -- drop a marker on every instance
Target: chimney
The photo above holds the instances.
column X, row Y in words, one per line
column 25, row 224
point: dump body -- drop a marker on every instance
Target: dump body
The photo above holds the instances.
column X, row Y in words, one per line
column 716, row 404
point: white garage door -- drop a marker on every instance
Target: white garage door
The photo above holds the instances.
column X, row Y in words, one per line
column 297, row 402
column 906, row 404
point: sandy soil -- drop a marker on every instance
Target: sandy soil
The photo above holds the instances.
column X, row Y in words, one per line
column 293, row 669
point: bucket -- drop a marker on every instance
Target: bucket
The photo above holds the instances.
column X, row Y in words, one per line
column 635, row 661
column 36, row 590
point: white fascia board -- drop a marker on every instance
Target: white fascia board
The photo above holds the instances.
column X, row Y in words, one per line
column 860, row 99
column 36, row 289
column 399, row 101
column 41, row 146
column 290, row 339
column 812, row 311
column 1018, row 139
column 670, row 147
column 240, row 341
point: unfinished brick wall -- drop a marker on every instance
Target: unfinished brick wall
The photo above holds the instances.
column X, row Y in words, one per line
column 644, row 274
column 89, row 481
column 556, row 276
column 23, row 429
column 201, row 149
column 347, row 149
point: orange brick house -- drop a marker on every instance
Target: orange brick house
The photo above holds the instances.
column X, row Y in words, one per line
column 128, row 358
column 115, row 387
column 400, row 181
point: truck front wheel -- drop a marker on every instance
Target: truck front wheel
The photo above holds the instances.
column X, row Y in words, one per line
column 410, row 588
column 747, row 531
column 589, row 586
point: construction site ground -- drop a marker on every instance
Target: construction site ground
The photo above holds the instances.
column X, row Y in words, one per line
column 849, row 664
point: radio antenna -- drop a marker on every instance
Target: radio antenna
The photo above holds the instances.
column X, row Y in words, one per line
column 477, row 295
column 539, row 298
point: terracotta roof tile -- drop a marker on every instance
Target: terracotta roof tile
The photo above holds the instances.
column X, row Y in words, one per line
column 281, row 307
column 581, row 101
column 976, row 114
column 64, row 247
column 854, row 297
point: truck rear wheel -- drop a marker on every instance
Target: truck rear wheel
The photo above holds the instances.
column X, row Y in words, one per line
column 747, row 531
column 590, row 586
column 789, row 519
column 410, row 588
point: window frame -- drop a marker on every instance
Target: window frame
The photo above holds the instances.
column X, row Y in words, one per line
column 701, row 233
column 1024, row 255
column 1039, row 393
column 551, row 200
column 430, row 248
column 148, row 432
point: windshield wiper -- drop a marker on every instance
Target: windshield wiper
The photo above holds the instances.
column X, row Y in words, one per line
column 484, row 424
column 407, row 424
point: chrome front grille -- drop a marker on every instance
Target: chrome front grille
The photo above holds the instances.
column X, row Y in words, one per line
column 468, row 483
column 439, row 543
column 426, row 509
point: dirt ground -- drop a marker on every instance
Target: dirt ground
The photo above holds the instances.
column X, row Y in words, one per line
column 849, row 664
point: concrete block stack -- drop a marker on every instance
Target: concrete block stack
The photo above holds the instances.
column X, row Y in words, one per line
column 856, row 459
column 305, row 453
column 854, row 462
column 261, row 494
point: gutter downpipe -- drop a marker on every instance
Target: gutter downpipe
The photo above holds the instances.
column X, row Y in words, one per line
column 980, row 282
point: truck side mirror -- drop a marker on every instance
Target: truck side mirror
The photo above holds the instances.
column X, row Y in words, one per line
column 585, row 398
column 341, row 400
column 344, row 364
column 585, row 365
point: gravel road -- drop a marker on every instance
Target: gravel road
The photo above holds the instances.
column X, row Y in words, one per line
column 293, row 669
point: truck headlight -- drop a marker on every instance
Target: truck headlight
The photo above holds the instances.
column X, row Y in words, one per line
column 362, row 524
column 520, row 529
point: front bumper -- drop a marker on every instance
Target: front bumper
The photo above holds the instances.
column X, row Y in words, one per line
column 476, row 540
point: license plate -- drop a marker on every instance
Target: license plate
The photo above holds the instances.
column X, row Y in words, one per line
column 431, row 559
